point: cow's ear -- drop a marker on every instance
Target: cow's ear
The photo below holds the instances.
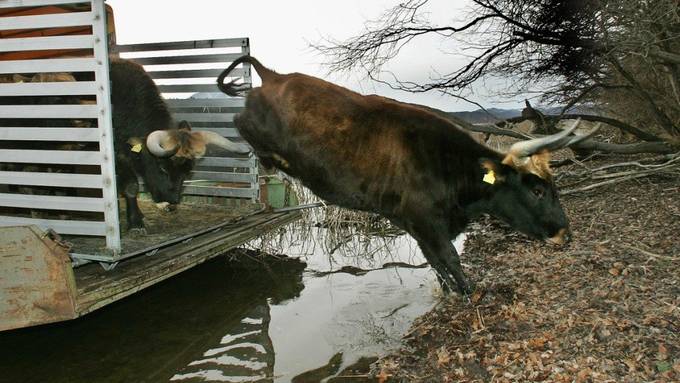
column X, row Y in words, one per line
column 193, row 144
column 493, row 171
column 184, row 125
column 540, row 165
column 537, row 164
column 136, row 144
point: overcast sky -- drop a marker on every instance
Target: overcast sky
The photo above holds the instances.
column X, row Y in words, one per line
column 280, row 33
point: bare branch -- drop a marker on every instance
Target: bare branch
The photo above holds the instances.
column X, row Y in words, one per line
column 639, row 133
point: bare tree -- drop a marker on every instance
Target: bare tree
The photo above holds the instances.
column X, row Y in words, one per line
column 580, row 51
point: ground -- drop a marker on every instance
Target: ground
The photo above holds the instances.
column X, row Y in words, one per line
column 604, row 309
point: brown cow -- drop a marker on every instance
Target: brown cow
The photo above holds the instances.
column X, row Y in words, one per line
column 402, row 161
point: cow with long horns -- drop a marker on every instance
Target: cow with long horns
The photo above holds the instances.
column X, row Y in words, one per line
column 149, row 144
column 408, row 164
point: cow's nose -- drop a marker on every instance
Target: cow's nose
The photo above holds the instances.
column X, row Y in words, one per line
column 561, row 238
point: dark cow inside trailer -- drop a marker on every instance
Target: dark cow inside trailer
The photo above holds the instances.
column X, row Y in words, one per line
column 149, row 144
column 404, row 162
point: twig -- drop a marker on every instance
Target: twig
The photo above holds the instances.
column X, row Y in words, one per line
column 631, row 172
column 620, row 177
column 671, row 159
column 394, row 311
column 599, row 184
column 650, row 254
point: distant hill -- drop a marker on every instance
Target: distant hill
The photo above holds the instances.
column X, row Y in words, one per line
column 481, row 117
column 495, row 114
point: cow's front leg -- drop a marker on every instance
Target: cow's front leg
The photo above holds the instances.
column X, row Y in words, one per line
column 440, row 253
column 443, row 257
column 135, row 218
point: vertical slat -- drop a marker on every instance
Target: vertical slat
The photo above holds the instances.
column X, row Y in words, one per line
column 248, row 79
column 109, row 191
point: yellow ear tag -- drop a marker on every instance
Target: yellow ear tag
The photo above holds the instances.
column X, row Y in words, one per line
column 136, row 148
column 489, row 177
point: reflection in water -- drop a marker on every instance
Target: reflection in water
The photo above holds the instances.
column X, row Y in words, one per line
column 351, row 308
column 247, row 320
column 244, row 355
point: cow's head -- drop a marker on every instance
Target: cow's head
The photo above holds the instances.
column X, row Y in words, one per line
column 522, row 191
column 166, row 157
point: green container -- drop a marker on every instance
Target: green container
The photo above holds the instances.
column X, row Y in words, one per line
column 277, row 193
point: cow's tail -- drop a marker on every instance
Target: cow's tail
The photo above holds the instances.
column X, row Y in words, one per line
column 233, row 89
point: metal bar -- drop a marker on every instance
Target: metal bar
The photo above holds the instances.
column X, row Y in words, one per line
column 205, row 103
column 95, row 228
column 77, row 262
column 34, row 3
column 179, row 45
column 49, row 134
column 205, row 117
column 211, row 88
column 195, row 73
column 46, row 43
column 52, row 202
column 67, row 157
column 223, row 176
column 189, row 59
column 70, row 19
column 227, row 162
column 48, row 88
column 219, row 191
column 48, row 65
column 48, row 111
column 299, row 207
column 105, row 124
column 92, row 181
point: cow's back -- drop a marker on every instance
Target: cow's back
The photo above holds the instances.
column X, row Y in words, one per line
column 138, row 108
column 364, row 152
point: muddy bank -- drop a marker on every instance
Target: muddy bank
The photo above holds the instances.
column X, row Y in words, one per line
column 604, row 309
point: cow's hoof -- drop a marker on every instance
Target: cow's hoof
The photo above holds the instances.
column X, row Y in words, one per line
column 467, row 292
column 137, row 231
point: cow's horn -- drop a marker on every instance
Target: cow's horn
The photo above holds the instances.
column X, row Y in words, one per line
column 161, row 143
column 550, row 143
column 212, row 138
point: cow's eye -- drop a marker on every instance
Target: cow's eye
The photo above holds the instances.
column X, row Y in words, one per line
column 538, row 192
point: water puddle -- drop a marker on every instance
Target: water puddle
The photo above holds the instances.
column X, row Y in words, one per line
column 245, row 321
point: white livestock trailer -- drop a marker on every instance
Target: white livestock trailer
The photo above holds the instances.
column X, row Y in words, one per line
column 57, row 170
